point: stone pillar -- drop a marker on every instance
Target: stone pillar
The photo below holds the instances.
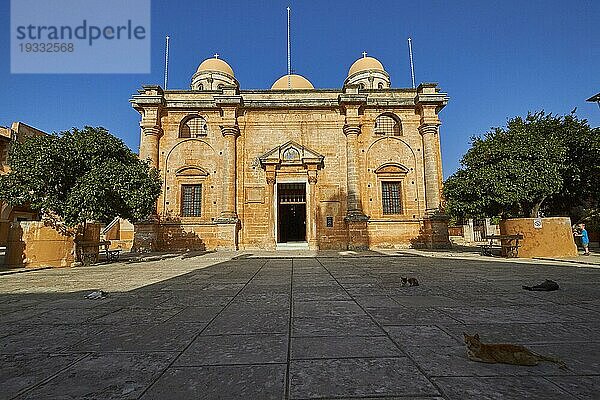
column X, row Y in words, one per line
column 149, row 102
column 435, row 231
column 149, row 143
column 146, row 236
column 271, row 239
column 311, row 209
column 358, row 238
column 150, row 139
column 228, row 206
column 430, row 166
column 352, row 132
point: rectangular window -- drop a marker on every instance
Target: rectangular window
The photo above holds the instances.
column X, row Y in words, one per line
column 390, row 196
column 191, row 200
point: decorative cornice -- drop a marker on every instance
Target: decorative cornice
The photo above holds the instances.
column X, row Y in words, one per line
column 229, row 101
column 348, row 99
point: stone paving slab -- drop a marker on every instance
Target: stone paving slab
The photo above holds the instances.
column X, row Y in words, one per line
column 357, row 377
column 343, row 347
column 505, row 388
column 334, row 326
column 235, row 349
column 104, row 376
column 220, row 382
column 23, row 371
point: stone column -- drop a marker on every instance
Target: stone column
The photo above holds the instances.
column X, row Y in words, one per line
column 271, row 239
column 430, row 165
column 311, row 209
column 149, row 102
column 358, row 238
column 352, row 132
column 228, row 207
column 149, row 144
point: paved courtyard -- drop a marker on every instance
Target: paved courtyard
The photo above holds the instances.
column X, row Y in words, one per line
column 236, row 326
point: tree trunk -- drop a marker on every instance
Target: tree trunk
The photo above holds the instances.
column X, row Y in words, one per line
column 536, row 208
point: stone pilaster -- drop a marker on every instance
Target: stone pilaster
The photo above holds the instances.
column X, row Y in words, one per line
column 311, row 207
column 271, row 240
column 429, row 134
column 149, row 143
column 352, row 131
column 355, row 218
column 228, row 210
column 149, row 102
column 351, row 102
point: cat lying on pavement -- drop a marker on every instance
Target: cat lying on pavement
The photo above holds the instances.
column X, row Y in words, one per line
column 505, row 353
column 547, row 286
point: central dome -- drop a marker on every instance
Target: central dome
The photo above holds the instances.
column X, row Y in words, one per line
column 294, row 82
column 365, row 64
column 215, row 64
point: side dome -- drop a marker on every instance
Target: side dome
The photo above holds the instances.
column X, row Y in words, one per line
column 215, row 64
column 365, row 64
column 294, row 82
column 213, row 74
column 368, row 73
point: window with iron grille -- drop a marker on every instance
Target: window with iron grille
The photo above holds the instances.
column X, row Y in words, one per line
column 292, row 193
column 194, row 127
column 191, row 200
column 391, row 199
column 387, row 125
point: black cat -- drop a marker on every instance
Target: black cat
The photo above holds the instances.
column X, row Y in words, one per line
column 547, row 286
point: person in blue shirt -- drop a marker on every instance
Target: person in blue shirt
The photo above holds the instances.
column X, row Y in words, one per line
column 585, row 240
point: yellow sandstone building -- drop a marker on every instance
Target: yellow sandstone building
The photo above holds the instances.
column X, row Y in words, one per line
column 293, row 167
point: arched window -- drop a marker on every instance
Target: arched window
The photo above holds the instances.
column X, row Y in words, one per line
column 220, row 86
column 201, row 87
column 388, row 124
column 193, row 127
column 361, row 86
column 380, row 85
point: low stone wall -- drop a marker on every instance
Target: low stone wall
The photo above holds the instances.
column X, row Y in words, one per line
column 387, row 235
column 31, row 244
column 553, row 239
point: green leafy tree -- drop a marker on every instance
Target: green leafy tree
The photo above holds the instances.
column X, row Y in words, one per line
column 533, row 165
column 80, row 175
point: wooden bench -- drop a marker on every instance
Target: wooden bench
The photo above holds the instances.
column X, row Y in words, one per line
column 87, row 251
column 487, row 249
column 509, row 245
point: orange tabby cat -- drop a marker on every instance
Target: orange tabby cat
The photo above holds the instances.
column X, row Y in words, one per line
column 504, row 353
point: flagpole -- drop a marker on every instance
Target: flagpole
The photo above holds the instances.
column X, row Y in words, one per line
column 412, row 67
column 289, row 51
column 167, row 63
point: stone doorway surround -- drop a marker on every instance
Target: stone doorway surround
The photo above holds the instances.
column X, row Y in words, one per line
column 292, row 163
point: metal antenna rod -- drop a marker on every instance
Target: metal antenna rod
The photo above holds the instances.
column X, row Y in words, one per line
column 289, row 51
column 167, row 63
column 412, row 67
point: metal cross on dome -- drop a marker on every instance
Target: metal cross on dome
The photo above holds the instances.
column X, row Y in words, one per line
column 364, row 53
column 216, row 55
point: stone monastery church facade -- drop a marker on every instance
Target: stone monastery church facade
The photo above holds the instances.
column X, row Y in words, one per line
column 294, row 166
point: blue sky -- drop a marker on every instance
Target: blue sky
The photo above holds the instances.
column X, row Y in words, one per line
column 495, row 59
